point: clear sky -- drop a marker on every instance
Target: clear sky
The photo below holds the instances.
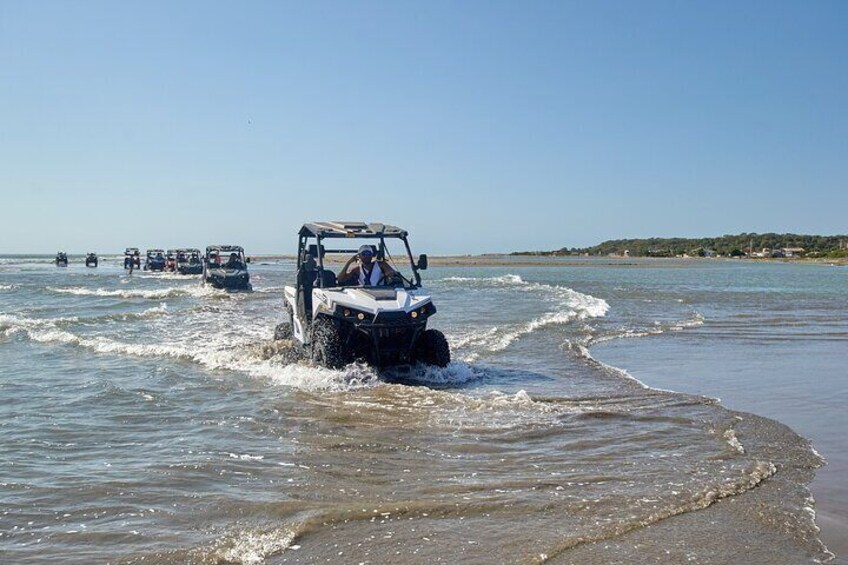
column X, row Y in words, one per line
column 478, row 126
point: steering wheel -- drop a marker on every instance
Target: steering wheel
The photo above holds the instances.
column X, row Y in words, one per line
column 394, row 279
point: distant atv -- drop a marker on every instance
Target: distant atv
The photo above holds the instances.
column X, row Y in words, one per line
column 225, row 266
column 61, row 259
column 383, row 322
column 189, row 262
column 155, row 260
column 132, row 259
column 91, row 259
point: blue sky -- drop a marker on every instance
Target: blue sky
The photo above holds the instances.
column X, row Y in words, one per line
column 478, row 126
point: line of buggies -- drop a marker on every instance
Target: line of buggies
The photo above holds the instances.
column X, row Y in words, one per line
column 223, row 266
column 374, row 310
column 187, row 261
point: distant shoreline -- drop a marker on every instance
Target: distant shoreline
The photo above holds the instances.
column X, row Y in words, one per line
column 491, row 260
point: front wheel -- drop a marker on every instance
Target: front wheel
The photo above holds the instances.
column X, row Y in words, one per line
column 327, row 347
column 433, row 348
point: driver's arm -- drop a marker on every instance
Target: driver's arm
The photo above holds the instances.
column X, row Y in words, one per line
column 345, row 275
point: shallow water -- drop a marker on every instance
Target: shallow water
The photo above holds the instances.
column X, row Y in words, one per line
column 150, row 419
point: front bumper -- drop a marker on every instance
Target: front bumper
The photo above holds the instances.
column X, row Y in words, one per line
column 239, row 281
column 387, row 340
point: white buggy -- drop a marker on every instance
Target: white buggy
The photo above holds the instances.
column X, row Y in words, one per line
column 383, row 324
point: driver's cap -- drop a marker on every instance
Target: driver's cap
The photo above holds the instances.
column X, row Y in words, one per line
column 366, row 250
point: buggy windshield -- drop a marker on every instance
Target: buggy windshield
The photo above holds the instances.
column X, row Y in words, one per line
column 226, row 259
column 345, row 262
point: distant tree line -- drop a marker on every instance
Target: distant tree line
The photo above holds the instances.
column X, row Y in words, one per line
column 726, row 245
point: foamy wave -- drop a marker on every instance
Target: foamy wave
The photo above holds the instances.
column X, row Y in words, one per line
column 234, row 358
column 150, row 312
column 505, row 280
column 474, row 338
column 571, row 306
column 733, row 441
column 269, row 289
column 286, row 368
column 168, row 276
column 306, row 376
column 695, row 321
column 106, row 345
column 253, row 547
column 155, row 294
column 7, row 287
column 626, row 333
column 10, row 323
column 455, row 374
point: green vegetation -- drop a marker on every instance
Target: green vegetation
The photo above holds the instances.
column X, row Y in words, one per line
column 830, row 246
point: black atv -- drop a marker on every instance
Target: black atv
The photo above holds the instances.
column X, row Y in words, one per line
column 189, row 262
column 225, row 267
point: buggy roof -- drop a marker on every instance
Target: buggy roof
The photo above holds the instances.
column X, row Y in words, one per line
column 131, row 250
column 351, row 230
column 225, row 249
column 188, row 250
column 149, row 251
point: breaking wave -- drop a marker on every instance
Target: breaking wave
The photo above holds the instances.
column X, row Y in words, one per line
column 156, row 294
column 255, row 360
column 503, row 280
column 252, row 547
column 570, row 306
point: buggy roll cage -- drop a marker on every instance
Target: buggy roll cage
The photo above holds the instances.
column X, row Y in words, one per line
column 222, row 250
column 187, row 253
column 352, row 230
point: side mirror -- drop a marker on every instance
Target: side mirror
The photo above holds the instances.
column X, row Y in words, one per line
column 247, row 259
column 422, row 262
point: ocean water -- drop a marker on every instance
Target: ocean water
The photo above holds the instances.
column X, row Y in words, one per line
column 147, row 419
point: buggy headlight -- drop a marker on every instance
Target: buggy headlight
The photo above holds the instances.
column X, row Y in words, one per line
column 423, row 312
column 353, row 314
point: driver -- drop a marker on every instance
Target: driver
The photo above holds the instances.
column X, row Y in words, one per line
column 367, row 272
column 234, row 262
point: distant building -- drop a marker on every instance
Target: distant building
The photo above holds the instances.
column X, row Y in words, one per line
column 793, row 251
